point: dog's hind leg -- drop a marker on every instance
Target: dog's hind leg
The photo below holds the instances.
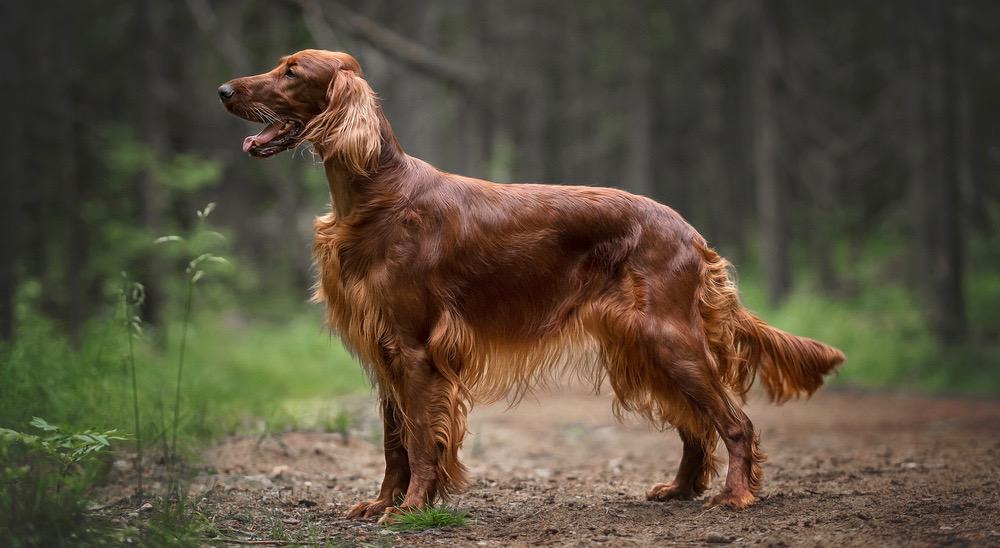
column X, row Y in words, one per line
column 691, row 396
column 397, row 466
column 697, row 468
column 642, row 357
column 744, row 475
column 698, row 381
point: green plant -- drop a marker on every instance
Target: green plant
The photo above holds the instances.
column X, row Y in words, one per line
column 44, row 477
column 133, row 294
column 69, row 449
column 193, row 273
column 431, row 517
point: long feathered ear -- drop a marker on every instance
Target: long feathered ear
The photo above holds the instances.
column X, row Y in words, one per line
column 349, row 127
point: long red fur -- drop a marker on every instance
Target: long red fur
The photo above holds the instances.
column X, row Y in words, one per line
column 452, row 291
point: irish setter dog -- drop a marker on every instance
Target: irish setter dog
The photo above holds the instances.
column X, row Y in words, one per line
column 452, row 290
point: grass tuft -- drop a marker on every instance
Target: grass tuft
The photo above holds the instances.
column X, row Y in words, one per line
column 172, row 521
column 431, row 517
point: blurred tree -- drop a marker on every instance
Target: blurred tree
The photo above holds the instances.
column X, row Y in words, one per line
column 638, row 172
column 771, row 200
column 11, row 173
column 942, row 242
column 794, row 129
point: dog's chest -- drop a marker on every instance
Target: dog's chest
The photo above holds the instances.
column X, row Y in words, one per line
column 353, row 304
column 337, row 283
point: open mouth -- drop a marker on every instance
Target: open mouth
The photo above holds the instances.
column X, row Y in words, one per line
column 277, row 136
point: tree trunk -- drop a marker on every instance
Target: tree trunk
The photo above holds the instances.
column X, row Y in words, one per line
column 971, row 152
column 154, row 136
column 11, row 172
column 934, row 169
column 74, row 237
column 947, row 270
column 639, row 116
column 770, row 192
column 738, row 156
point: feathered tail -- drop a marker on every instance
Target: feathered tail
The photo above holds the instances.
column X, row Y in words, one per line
column 789, row 366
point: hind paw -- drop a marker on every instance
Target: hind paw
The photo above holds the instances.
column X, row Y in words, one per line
column 670, row 491
column 730, row 499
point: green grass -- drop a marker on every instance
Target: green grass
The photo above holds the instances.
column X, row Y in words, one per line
column 431, row 517
column 172, row 522
column 236, row 370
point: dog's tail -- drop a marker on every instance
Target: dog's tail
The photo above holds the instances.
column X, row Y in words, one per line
column 743, row 344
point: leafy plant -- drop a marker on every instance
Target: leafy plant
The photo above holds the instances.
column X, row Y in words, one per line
column 193, row 272
column 66, row 448
column 44, row 476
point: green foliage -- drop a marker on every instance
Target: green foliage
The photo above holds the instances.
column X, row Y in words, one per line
column 430, row 517
column 236, row 371
column 116, row 241
column 44, row 478
column 127, row 156
column 187, row 172
column 67, row 448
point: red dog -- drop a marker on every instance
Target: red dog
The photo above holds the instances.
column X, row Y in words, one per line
column 452, row 290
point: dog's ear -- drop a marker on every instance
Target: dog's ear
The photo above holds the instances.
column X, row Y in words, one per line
column 349, row 128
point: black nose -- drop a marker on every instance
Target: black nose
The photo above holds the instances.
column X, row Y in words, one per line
column 226, row 92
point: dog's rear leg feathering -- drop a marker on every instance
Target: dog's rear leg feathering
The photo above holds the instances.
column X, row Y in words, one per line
column 743, row 345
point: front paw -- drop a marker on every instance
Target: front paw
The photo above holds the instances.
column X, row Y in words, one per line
column 369, row 508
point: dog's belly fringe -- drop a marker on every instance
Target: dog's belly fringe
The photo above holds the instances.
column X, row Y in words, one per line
column 491, row 370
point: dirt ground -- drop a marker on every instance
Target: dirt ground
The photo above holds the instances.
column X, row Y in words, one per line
column 844, row 468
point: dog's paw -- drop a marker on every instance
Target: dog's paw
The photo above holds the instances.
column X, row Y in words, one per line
column 369, row 508
column 729, row 499
column 669, row 491
column 390, row 515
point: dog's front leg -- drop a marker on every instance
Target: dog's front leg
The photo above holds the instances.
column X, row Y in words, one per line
column 397, row 466
column 434, row 426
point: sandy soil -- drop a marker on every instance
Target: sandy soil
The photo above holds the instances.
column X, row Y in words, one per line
column 845, row 469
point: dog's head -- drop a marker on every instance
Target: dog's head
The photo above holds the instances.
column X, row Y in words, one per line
column 313, row 95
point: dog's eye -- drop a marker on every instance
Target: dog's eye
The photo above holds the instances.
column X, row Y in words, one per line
column 290, row 73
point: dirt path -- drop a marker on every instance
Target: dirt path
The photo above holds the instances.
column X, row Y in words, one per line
column 844, row 468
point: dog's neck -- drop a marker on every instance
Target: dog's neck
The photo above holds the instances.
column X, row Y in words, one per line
column 343, row 188
column 348, row 190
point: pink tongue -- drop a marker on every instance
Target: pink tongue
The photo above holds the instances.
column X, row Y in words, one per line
column 265, row 135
